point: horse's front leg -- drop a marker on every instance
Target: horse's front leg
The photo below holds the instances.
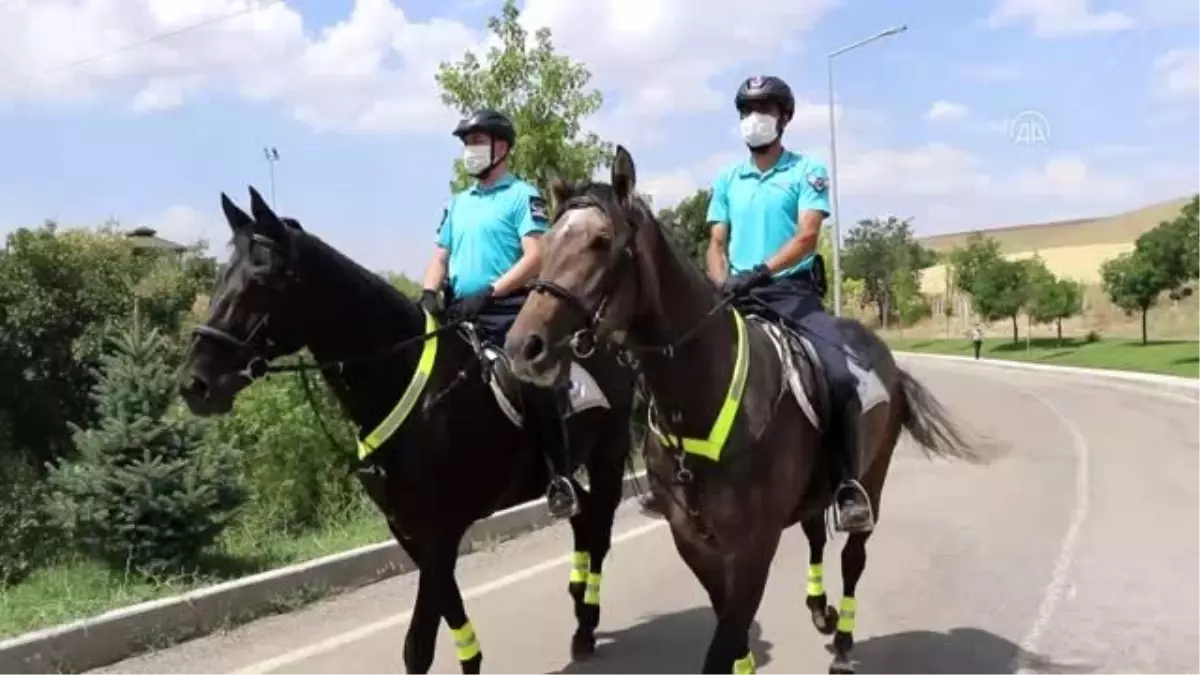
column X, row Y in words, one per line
column 438, row 596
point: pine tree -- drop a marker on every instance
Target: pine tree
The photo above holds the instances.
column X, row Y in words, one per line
column 149, row 489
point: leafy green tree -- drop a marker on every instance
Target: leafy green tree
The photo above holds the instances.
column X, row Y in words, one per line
column 968, row 261
column 884, row 254
column 1001, row 291
column 688, row 223
column 148, row 490
column 1055, row 300
column 1134, row 282
column 545, row 94
column 1171, row 248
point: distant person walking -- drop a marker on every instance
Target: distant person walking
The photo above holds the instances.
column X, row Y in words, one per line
column 977, row 339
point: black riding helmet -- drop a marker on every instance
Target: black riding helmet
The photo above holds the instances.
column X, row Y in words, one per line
column 489, row 122
column 766, row 88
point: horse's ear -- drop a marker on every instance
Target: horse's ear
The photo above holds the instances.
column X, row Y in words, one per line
column 624, row 176
column 291, row 223
column 268, row 223
column 560, row 190
column 238, row 220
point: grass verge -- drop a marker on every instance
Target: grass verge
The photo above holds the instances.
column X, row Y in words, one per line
column 78, row 588
column 1177, row 357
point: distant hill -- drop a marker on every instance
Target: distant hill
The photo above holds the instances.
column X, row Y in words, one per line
column 1070, row 248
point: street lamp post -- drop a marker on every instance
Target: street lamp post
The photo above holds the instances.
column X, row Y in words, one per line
column 272, row 155
column 837, row 220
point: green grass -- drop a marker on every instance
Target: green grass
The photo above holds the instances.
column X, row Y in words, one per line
column 1177, row 357
column 75, row 589
column 78, row 588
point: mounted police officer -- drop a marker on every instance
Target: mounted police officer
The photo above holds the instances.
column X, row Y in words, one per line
column 766, row 215
column 488, row 248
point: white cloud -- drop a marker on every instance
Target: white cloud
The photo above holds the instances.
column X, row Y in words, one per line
column 1177, row 73
column 373, row 71
column 1058, row 18
column 932, row 169
column 669, row 187
column 944, row 111
column 661, row 56
column 343, row 78
column 1071, row 178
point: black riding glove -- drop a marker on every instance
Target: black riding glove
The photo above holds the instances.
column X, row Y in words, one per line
column 469, row 307
column 430, row 302
column 742, row 282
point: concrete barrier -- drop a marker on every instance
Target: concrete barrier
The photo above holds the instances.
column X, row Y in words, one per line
column 1164, row 381
column 122, row 633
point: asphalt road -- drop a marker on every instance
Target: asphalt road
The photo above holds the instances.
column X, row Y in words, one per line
column 1076, row 551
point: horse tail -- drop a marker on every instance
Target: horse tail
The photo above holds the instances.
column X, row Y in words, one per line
column 930, row 424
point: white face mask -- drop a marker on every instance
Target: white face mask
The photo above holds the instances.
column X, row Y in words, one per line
column 759, row 130
column 477, row 158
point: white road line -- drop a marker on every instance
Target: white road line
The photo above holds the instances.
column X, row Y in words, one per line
column 297, row 655
column 1053, row 592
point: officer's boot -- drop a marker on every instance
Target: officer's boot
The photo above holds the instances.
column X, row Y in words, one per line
column 551, row 429
column 851, row 503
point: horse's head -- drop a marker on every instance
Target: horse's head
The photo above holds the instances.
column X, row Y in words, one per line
column 589, row 285
column 254, row 315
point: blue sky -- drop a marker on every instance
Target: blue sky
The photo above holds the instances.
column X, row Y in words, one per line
column 344, row 90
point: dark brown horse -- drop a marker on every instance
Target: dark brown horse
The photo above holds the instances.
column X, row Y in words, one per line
column 738, row 456
column 438, row 451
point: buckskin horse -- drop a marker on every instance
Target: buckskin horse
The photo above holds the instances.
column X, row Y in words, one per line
column 736, row 454
column 440, row 447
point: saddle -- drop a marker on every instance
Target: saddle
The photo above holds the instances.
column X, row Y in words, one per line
column 804, row 373
column 585, row 393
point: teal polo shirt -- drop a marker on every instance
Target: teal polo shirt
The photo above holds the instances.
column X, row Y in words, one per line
column 762, row 208
column 482, row 228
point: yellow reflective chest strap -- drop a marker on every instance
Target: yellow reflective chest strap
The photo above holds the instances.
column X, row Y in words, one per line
column 712, row 446
column 408, row 400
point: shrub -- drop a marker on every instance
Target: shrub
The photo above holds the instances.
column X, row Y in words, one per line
column 297, row 475
column 27, row 540
column 148, row 490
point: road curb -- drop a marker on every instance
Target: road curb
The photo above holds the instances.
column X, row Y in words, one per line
column 1168, row 381
column 121, row 633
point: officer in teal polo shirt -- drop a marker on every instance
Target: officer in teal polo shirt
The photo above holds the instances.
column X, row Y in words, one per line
column 766, row 215
column 488, row 248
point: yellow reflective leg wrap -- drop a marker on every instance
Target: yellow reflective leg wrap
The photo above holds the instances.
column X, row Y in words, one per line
column 846, row 615
column 580, row 562
column 466, row 645
column 591, row 595
column 745, row 665
column 816, row 579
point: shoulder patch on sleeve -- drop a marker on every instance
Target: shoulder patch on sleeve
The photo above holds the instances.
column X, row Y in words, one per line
column 818, row 181
column 445, row 217
column 537, row 208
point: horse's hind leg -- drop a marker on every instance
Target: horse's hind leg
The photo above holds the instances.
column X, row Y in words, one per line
column 824, row 617
column 438, row 596
column 854, row 561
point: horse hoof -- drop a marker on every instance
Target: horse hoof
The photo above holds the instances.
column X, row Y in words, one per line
column 825, row 620
column 841, row 666
column 583, row 645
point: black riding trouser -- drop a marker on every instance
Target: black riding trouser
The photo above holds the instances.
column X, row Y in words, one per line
column 797, row 301
column 544, row 405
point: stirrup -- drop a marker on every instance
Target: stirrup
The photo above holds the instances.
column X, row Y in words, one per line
column 561, row 500
column 853, row 485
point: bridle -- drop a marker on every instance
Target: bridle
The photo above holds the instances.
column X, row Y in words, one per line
column 584, row 340
column 257, row 349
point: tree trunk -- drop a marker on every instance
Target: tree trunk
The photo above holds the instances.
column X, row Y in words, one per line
column 1058, row 324
column 1145, row 310
column 1016, row 335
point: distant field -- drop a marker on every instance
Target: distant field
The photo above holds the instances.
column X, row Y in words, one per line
column 1181, row 357
column 1073, row 249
